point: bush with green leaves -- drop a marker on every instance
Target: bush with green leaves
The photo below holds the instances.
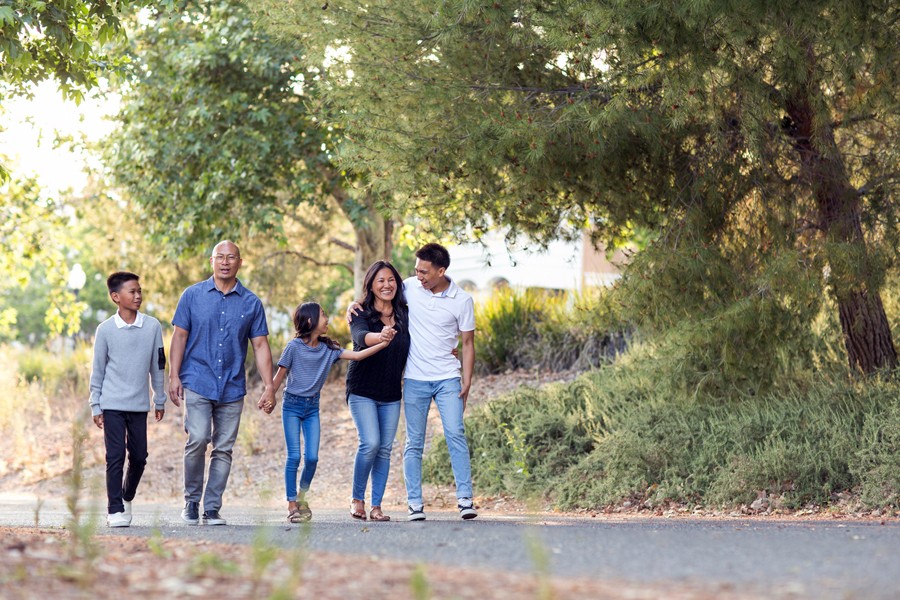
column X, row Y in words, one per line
column 532, row 328
column 626, row 432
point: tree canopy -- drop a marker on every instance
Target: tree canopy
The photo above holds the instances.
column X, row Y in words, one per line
column 69, row 41
column 221, row 136
column 758, row 139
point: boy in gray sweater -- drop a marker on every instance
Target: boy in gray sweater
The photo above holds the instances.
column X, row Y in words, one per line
column 128, row 359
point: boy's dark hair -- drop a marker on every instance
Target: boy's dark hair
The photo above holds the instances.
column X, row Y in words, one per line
column 435, row 254
column 115, row 281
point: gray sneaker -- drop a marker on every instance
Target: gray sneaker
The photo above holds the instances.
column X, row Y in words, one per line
column 416, row 513
column 191, row 513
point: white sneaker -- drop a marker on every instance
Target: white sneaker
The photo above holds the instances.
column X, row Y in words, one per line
column 127, row 508
column 466, row 508
column 119, row 519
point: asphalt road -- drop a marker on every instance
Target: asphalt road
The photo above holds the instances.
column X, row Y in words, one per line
column 809, row 559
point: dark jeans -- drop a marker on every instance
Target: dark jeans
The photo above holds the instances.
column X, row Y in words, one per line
column 124, row 431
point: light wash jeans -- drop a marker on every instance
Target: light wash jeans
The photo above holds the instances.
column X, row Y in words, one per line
column 207, row 421
column 417, row 396
column 299, row 413
column 376, row 423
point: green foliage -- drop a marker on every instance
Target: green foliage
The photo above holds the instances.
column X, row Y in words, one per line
column 624, row 432
column 67, row 41
column 418, row 583
column 507, row 329
column 876, row 462
column 215, row 118
column 203, row 563
column 59, row 373
column 539, row 329
column 35, row 240
column 521, row 115
column 758, row 141
column 222, row 136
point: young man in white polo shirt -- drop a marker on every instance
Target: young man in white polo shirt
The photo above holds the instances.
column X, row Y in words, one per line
column 440, row 313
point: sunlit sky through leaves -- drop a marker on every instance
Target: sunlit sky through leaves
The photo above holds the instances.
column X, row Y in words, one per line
column 31, row 127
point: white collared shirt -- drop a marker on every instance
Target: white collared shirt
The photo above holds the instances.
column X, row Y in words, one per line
column 121, row 324
column 435, row 322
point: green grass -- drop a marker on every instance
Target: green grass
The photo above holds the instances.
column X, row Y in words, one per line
column 623, row 432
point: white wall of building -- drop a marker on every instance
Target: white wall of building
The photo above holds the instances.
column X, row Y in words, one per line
column 560, row 266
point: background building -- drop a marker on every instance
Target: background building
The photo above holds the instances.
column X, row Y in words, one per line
column 479, row 268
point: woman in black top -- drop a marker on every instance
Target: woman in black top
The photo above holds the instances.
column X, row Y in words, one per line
column 374, row 385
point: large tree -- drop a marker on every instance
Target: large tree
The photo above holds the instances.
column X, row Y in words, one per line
column 221, row 137
column 758, row 138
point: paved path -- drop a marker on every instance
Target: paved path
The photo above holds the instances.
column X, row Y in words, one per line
column 821, row 559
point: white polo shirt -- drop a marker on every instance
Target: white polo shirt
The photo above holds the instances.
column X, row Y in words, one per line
column 435, row 322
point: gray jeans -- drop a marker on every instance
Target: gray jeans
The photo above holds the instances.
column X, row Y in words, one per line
column 208, row 421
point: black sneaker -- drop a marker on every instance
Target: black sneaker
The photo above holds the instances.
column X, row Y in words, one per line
column 466, row 508
column 212, row 517
column 416, row 514
column 191, row 513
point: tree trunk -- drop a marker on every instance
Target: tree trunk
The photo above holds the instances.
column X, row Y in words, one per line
column 374, row 233
column 867, row 333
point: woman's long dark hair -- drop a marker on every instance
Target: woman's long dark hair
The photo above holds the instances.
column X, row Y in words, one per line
column 306, row 320
column 398, row 304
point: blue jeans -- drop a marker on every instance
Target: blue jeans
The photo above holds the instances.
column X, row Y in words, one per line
column 299, row 413
column 376, row 422
column 417, row 396
column 208, row 421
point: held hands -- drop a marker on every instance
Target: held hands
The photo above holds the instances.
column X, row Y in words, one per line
column 387, row 334
column 267, row 400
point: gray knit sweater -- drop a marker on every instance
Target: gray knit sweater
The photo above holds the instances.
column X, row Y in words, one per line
column 127, row 361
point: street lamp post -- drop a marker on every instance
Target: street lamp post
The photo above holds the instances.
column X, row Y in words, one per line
column 77, row 279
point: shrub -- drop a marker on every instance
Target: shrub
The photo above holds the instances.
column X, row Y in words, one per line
column 545, row 330
column 622, row 432
column 59, row 373
column 876, row 463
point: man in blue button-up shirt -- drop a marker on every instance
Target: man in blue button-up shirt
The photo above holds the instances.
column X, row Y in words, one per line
column 213, row 322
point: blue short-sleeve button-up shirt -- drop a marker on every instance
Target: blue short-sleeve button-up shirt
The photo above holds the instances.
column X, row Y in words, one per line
column 219, row 328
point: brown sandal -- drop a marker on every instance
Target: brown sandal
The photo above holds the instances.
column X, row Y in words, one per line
column 358, row 509
column 295, row 516
column 377, row 515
